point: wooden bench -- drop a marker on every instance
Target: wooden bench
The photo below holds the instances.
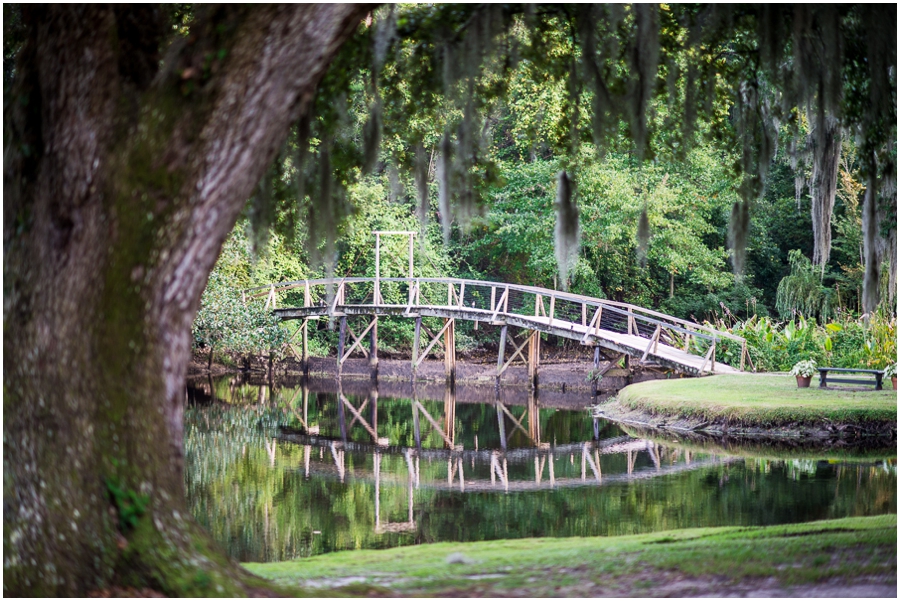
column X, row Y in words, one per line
column 823, row 376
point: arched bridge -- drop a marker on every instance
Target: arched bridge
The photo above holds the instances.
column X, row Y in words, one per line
column 650, row 337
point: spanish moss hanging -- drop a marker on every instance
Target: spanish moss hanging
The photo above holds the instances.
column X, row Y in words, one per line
column 567, row 234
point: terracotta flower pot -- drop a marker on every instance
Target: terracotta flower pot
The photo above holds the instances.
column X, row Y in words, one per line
column 894, row 382
column 803, row 381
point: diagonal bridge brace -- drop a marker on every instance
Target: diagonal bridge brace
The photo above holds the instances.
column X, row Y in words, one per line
column 357, row 340
column 517, row 352
column 434, row 341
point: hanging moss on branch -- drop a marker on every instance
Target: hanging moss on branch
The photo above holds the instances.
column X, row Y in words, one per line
column 567, row 234
column 766, row 64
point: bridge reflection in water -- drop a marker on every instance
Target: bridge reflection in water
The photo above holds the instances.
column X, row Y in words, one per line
column 468, row 470
column 280, row 473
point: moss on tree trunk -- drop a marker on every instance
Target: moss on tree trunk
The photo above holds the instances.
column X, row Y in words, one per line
column 120, row 185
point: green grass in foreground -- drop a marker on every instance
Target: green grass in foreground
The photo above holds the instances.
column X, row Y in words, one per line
column 760, row 399
column 711, row 560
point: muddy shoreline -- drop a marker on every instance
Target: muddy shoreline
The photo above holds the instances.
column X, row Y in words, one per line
column 560, row 374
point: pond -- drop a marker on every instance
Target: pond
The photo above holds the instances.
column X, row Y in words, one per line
column 277, row 473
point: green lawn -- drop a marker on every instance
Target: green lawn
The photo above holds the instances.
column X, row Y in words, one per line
column 823, row 555
column 760, row 400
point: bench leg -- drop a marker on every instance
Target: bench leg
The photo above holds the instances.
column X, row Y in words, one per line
column 877, row 381
column 823, row 377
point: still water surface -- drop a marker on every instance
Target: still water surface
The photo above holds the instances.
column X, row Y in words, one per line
column 276, row 474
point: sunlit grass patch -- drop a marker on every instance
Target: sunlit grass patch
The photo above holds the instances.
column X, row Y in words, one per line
column 795, row 554
column 760, row 400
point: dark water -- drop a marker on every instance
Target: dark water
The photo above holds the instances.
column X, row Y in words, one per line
column 286, row 473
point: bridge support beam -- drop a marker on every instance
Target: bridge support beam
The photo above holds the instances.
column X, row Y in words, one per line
column 342, row 336
column 415, row 348
column 304, row 361
column 373, row 349
column 596, row 367
column 534, row 358
column 501, row 355
column 450, row 351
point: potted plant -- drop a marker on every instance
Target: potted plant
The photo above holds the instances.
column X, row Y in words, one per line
column 804, row 371
column 891, row 372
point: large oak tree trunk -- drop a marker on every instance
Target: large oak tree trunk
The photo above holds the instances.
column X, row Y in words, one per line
column 120, row 185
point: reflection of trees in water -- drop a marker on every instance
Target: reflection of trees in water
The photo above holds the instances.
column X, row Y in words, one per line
column 265, row 498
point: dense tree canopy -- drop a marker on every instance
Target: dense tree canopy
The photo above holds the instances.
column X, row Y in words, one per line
column 134, row 135
column 430, row 83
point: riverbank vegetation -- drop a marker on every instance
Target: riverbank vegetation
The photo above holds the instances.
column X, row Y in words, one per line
column 759, row 401
column 827, row 558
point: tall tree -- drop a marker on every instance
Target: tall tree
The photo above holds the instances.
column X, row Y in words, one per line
column 120, row 183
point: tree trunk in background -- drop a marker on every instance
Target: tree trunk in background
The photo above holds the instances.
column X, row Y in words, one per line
column 826, row 159
column 120, row 185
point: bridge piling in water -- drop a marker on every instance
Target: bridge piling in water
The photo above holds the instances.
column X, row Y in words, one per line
column 450, row 351
column 534, row 358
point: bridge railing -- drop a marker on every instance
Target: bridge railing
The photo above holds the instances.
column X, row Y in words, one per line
column 499, row 299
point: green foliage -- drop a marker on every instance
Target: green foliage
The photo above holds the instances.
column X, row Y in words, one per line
column 802, row 291
column 848, row 342
column 129, row 504
column 594, row 375
column 226, row 322
column 805, row 368
column 741, row 301
column 686, row 201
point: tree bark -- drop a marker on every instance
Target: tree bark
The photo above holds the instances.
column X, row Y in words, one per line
column 120, row 184
column 826, row 159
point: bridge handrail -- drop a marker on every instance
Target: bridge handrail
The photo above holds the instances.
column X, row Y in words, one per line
column 687, row 327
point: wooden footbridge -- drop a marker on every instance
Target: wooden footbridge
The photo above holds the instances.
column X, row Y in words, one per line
column 618, row 329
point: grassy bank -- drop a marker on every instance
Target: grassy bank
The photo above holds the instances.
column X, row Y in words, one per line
column 848, row 557
column 760, row 401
